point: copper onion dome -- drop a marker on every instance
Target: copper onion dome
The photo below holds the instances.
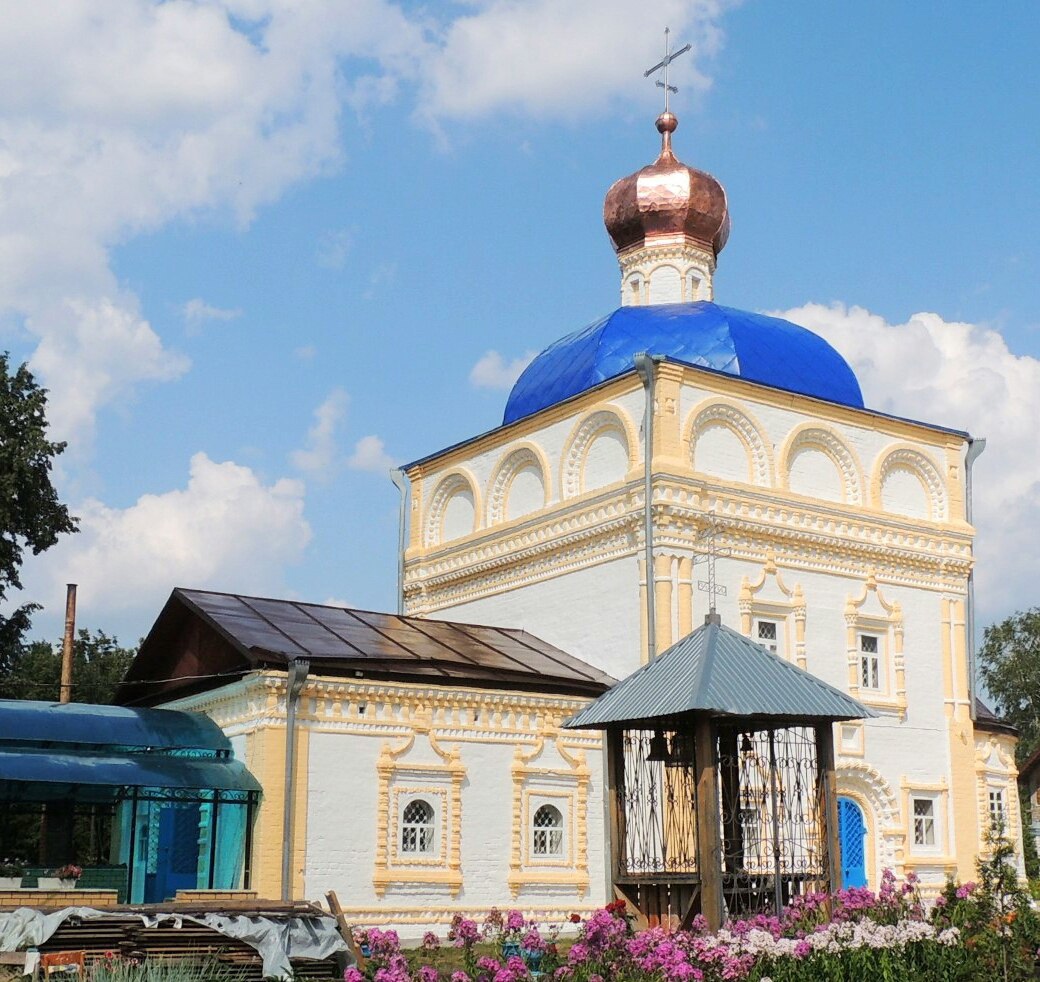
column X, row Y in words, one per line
column 667, row 198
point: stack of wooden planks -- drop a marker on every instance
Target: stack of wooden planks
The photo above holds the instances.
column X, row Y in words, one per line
column 122, row 934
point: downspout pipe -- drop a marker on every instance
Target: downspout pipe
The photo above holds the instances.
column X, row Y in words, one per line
column 645, row 367
column 975, row 447
column 404, row 486
column 298, row 671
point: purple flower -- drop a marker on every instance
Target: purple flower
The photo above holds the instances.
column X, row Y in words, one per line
column 459, row 977
column 428, row 974
column 430, row 941
column 578, row 954
column 353, row 974
column 515, row 921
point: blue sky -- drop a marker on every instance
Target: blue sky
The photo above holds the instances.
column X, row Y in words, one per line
column 243, row 214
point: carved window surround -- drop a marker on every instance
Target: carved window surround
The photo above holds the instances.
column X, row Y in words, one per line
column 534, row 786
column 440, row 783
column 887, row 626
column 788, row 608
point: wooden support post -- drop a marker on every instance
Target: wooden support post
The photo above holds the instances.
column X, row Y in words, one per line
column 709, row 854
column 615, row 779
column 345, row 930
column 829, row 803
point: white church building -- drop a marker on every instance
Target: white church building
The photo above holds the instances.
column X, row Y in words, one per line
column 668, row 429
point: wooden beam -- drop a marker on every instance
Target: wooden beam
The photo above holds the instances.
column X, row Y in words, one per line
column 829, row 804
column 345, row 930
column 615, row 777
column 709, row 853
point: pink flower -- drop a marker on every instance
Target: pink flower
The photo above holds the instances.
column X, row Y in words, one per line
column 352, row 974
column 428, row 974
column 459, row 977
column 430, row 941
column 579, row 953
column 515, row 921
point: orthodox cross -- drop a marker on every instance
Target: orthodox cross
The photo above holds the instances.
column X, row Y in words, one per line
column 709, row 553
column 669, row 57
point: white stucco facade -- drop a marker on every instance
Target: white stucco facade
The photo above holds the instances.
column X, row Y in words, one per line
column 844, row 529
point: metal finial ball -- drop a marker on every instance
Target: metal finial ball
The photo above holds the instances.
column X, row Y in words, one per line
column 667, row 123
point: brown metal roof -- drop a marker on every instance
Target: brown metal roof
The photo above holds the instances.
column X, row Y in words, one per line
column 345, row 641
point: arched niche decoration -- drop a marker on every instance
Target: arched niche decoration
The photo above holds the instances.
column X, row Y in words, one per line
column 597, row 424
column 770, row 598
column 666, row 285
column 813, row 438
column 520, row 458
column 886, row 841
column 454, row 484
column 907, row 459
column 732, row 417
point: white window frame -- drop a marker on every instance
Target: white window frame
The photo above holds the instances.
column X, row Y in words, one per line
column 774, row 644
column 997, row 796
column 417, row 851
column 872, row 663
column 548, row 835
column 935, row 817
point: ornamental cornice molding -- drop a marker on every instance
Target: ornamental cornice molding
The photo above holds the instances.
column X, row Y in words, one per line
column 656, row 253
column 832, row 540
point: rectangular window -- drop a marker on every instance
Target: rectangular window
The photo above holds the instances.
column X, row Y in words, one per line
column 869, row 662
column 767, row 634
column 997, row 818
column 924, row 822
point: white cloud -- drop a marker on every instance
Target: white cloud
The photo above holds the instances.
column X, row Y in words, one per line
column 320, row 456
column 492, row 371
column 334, row 247
column 548, row 58
column 197, row 311
column 962, row 376
column 370, row 455
column 93, row 351
column 193, row 108
column 305, row 352
column 225, row 530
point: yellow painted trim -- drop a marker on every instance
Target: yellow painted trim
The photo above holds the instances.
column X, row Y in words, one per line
column 889, row 627
column 754, row 440
column 601, row 418
column 515, row 459
column 448, row 485
column 815, row 435
column 909, row 457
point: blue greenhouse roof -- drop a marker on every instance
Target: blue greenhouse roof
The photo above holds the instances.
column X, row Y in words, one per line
column 88, row 725
column 98, row 777
column 762, row 349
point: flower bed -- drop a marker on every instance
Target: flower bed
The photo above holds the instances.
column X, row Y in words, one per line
column 973, row 931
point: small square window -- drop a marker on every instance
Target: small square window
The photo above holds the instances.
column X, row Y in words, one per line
column 924, row 822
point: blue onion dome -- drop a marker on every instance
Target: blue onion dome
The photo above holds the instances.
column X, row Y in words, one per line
column 766, row 350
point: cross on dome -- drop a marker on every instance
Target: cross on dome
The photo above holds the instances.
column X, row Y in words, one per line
column 663, row 65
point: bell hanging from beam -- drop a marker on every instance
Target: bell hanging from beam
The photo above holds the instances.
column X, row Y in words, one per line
column 659, row 748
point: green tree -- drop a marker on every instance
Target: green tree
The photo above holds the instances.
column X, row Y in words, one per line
column 33, row 670
column 31, row 516
column 1009, row 663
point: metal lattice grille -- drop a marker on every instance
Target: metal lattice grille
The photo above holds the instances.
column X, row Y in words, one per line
column 772, row 818
column 547, row 831
column 657, row 804
column 417, row 827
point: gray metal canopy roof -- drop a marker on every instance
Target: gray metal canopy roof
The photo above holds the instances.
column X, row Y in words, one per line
column 717, row 671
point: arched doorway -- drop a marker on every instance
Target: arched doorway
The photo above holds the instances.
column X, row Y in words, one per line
column 852, row 831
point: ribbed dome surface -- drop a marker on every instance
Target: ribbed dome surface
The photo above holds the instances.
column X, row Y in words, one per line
column 752, row 346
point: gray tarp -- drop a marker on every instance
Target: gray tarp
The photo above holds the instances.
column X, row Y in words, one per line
column 276, row 939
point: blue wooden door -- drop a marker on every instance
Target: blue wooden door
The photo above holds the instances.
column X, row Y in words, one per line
column 177, row 858
column 852, row 831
